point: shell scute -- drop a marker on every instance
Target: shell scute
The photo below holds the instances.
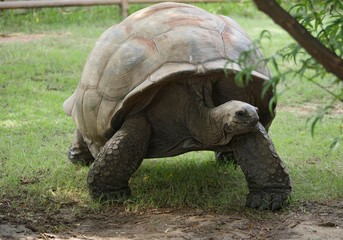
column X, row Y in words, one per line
column 172, row 16
column 100, row 57
column 130, row 64
column 91, row 103
column 185, row 45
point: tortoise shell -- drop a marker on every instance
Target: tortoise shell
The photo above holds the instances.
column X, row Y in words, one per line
column 162, row 43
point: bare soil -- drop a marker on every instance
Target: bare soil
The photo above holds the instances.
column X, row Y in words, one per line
column 22, row 38
column 308, row 221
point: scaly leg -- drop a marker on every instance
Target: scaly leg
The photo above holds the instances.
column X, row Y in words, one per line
column 109, row 175
column 268, row 180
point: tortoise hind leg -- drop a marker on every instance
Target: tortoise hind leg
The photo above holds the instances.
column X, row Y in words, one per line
column 109, row 175
column 225, row 157
column 268, row 180
column 79, row 152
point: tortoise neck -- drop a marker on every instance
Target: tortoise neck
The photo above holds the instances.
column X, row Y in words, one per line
column 205, row 120
column 206, row 125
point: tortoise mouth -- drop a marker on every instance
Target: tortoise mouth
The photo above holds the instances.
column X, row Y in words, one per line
column 246, row 123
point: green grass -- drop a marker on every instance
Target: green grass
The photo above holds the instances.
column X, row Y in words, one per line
column 37, row 76
column 191, row 180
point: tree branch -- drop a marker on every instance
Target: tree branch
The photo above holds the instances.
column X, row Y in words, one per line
column 331, row 62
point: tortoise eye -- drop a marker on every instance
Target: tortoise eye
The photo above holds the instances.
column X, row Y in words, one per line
column 240, row 113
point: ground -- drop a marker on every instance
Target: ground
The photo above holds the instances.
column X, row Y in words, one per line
column 309, row 221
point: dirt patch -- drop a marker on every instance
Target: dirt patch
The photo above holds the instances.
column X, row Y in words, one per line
column 309, row 221
column 20, row 37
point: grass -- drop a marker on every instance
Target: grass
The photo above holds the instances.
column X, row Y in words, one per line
column 37, row 76
column 206, row 184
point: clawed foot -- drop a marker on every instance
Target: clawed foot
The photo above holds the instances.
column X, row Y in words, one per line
column 79, row 152
column 80, row 156
column 268, row 199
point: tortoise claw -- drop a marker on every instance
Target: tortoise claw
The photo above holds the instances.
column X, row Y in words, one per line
column 80, row 156
column 270, row 199
column 79, row 152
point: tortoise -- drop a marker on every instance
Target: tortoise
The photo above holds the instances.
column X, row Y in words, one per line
column 161, row 83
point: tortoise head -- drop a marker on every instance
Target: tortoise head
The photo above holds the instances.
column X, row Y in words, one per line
column 233, row 118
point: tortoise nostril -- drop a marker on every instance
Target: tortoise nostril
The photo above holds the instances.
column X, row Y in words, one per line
column 240, row 113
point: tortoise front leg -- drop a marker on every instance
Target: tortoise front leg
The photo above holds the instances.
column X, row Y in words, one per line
column 79, row 152
column 268, row 180
column 108, row 177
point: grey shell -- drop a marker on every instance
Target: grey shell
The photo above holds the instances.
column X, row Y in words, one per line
column 149, row 48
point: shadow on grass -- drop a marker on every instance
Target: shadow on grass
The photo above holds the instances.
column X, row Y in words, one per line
column 193, row 180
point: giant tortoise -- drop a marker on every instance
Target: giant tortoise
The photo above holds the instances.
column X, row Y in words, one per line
column 161, row 83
